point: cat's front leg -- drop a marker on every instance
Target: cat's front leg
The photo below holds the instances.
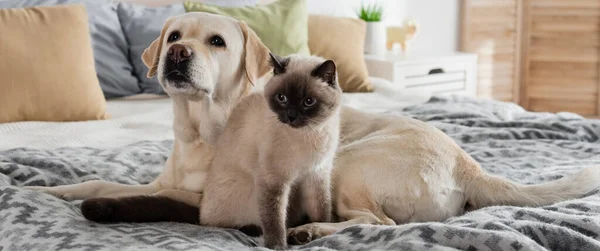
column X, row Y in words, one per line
column 273, row 202
column 316, row 193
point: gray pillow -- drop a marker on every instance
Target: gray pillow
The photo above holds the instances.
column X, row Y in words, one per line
column 142, row 24
column 113, row 69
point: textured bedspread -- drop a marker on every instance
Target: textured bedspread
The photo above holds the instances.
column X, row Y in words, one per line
column 524, row 147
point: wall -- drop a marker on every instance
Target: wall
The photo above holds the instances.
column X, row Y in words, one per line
column 439, row 24
column 438, row 19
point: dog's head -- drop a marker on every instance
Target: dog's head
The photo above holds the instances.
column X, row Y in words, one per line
column 411, row 27
column 204, row 55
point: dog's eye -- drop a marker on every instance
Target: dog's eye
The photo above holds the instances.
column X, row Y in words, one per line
column 217, row 41
column 308, row 102
column 174, row 36
column 280, row 98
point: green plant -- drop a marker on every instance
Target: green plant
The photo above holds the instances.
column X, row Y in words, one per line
column 371, row 12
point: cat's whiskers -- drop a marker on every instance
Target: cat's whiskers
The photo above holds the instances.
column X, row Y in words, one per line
column 310, row 126
column 272, row 119
column 319, row 126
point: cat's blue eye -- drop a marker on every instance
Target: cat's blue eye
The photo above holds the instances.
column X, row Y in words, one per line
column 280, row 98
column 308, row 102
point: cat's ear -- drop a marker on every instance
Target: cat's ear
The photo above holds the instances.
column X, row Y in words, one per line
column 277, row 63
column 326, row 72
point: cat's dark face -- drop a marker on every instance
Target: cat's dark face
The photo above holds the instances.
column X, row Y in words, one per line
column 303, row 93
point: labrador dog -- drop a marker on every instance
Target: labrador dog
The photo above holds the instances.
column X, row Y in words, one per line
column 388, row 170
column 205, row 63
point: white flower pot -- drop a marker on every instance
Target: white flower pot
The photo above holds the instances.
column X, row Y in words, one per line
column 375, row 38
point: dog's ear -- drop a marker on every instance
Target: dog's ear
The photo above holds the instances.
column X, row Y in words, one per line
column 150, row 56
column 152, row 53
column 256, row 54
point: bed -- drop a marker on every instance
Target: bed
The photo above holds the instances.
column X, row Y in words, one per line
column 133, row 145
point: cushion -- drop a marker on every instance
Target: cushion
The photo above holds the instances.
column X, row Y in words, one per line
column 282, row 25
column 115, row 73
column 341, row 39
column 47, row 70
column 142, row 24
column 157, row 3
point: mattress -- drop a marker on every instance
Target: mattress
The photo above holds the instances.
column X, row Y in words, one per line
column 150, row 117
column 132, row 147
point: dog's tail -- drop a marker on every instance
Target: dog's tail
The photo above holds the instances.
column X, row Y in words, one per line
column 483, row 190
column 139, row 209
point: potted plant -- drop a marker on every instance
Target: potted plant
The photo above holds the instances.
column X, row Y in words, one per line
column 375, row 37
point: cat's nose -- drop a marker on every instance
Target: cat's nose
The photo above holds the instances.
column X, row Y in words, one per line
column 292, row 115
column 291, row 118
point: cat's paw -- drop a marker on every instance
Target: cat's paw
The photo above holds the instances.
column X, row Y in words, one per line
column 275, row 244
column 100, row 210
column 279, row 247
column 51, row 191
column 251, row 230
column 306, row 233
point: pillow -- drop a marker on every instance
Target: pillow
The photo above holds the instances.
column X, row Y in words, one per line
column 158, row 3
column 282, row 25
column 142, row 24
column 114, row 71
column 47, row 70
column 341, row 39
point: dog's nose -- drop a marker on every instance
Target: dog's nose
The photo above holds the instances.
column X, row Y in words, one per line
column 179, row 53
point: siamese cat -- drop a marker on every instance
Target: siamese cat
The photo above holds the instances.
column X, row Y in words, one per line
column 281, row 140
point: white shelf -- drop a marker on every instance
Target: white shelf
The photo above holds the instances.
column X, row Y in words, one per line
column 452, row 73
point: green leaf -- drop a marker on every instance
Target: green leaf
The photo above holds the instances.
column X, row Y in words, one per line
column 371, row 12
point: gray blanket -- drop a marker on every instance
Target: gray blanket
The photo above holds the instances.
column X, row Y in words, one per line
column 521, row 146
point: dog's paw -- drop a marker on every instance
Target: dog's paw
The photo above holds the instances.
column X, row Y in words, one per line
column 50, row 190
column 306, row 233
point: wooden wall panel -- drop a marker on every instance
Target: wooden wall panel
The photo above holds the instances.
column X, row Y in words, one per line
column 489, row 29
column 562, row 54
column 542, row 54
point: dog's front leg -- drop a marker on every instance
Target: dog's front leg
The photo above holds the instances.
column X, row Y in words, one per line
column 190, row 198
column 96, row 188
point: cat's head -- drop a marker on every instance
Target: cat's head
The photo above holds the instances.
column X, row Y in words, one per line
column 304, row 90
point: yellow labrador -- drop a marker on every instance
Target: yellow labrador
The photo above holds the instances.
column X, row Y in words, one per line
column 206, row 63
column 388, row 170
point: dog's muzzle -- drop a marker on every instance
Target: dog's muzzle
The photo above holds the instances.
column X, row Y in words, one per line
column 177, row 65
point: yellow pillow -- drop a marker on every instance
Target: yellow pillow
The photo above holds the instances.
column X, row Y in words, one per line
column 47, row 70
column 342, row 40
